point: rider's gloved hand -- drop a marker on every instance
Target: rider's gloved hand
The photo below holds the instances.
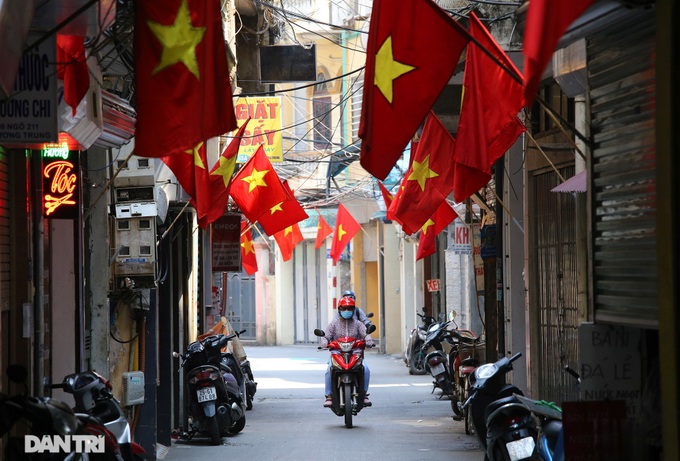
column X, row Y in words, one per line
column 324, row 342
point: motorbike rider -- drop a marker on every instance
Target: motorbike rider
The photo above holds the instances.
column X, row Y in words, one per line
column 359, row 314
column 346, row 324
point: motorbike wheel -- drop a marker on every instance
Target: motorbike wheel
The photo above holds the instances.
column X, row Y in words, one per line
column 238, row 426
column 214, row 431
column 249, row 401
column 417, row 364
column 348, row 405
column 468, row 423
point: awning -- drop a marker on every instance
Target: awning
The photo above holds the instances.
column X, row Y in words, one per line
column 577, row 183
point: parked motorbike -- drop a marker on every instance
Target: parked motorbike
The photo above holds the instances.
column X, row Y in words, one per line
column 216, row 388
column 414, row 357
column 504, row 425
column 250, row 384
column 51, row 421
column 347, row 375
column 93, row 397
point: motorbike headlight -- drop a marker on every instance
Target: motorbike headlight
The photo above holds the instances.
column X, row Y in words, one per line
column 485, row 371
column 345, row 347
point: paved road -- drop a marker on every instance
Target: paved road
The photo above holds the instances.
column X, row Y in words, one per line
column 288, row 422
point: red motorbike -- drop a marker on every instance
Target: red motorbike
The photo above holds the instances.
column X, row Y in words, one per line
column 347, row 375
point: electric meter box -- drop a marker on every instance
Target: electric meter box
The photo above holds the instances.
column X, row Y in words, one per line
column 133, row 388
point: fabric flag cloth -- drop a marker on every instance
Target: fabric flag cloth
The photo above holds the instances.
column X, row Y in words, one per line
column 283, row 214
column 287, row 239
column 546, row 23
column 323, row 230
column 248, row 258
column 191, row 172
column 181, row 76
column 488, row 124
column 220, row 179
column 429, row 180
column 444, row 216
column 412, row 51
column 72, row 69
column 387, row 196
column 346, row 227
column 256, row 188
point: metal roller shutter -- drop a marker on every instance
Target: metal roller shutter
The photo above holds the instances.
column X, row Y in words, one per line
column 623, row 198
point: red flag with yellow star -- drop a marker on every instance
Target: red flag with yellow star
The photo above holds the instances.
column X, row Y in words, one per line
column 181, row 76
column 429, row 179
column 283, row 214
column 256, row 188
column 432, row 227
column 488, row 123
column 323, row 230
column 346, row 227
column 387, row 196
column 217, row 197
column 189, row 168
column 248, row 258
column 413, row 49
column 287, row 239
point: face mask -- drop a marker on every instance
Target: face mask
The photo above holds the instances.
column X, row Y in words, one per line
column 346, row 314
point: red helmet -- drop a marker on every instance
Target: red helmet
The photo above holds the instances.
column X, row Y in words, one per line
column 346, row 302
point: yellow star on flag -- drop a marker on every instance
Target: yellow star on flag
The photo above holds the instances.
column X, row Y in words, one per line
column 179, row 41
column 225, row 169
column 427, row 225
column 197, row 157
column 387, row 69
column 288, row 230
column 247, row 246
column 256, row 178
column 422, row 172
column 276, row 208
column 341, row 232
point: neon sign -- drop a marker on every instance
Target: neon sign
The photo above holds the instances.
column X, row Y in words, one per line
column 60, row 181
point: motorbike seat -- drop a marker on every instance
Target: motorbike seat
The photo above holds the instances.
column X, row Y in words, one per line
column 496, row 404
column 467, row 369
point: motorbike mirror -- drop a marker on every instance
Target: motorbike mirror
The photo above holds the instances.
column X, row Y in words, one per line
column 369, row 315
column 452, row 315
column 175, row 354
column 319, row 333
column 370, row 329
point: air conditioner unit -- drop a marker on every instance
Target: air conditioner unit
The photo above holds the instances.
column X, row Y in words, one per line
column 133, row 388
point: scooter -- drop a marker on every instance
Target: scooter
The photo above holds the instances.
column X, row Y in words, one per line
column 217, row 399
column 93, row 396
column 414, row 357
column 504, row 425
column 347, row 375
column 56, row 433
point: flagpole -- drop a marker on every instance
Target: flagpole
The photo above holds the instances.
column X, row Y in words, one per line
column 546, row 156
column 559, row 123
column 172, row 224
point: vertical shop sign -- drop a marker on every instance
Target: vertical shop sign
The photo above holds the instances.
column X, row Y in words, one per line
column 61, row 181
column 29, row 115
column 264, row 127
column 226, row 244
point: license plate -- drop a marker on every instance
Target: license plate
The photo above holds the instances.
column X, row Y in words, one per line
column 521, row 449
column 206, row 394
column 437, row 369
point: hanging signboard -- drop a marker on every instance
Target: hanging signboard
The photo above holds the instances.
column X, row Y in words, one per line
column 29, row 115
column 264, row 127
column 226, row 244
column 433, row 285
column 61, row 181
column 461, row 238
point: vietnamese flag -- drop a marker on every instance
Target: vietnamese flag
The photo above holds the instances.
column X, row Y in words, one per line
column 488, row 123
column 287, row 239
column 387, row 196
column 248, row 257
column 413, row 49
column 217, row 196
column 256, row 188
column 444, row 216
column 189, row 168
column 182, row 81
column 546, row 23
column 283, row 214
column 429, row 179
column 72, row 69
column 323, row 230
column 346, row 227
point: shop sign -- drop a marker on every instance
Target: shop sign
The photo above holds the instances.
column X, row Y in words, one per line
column 226, row 244
column 264, row 127
column 433, row 285
column 61, row 181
